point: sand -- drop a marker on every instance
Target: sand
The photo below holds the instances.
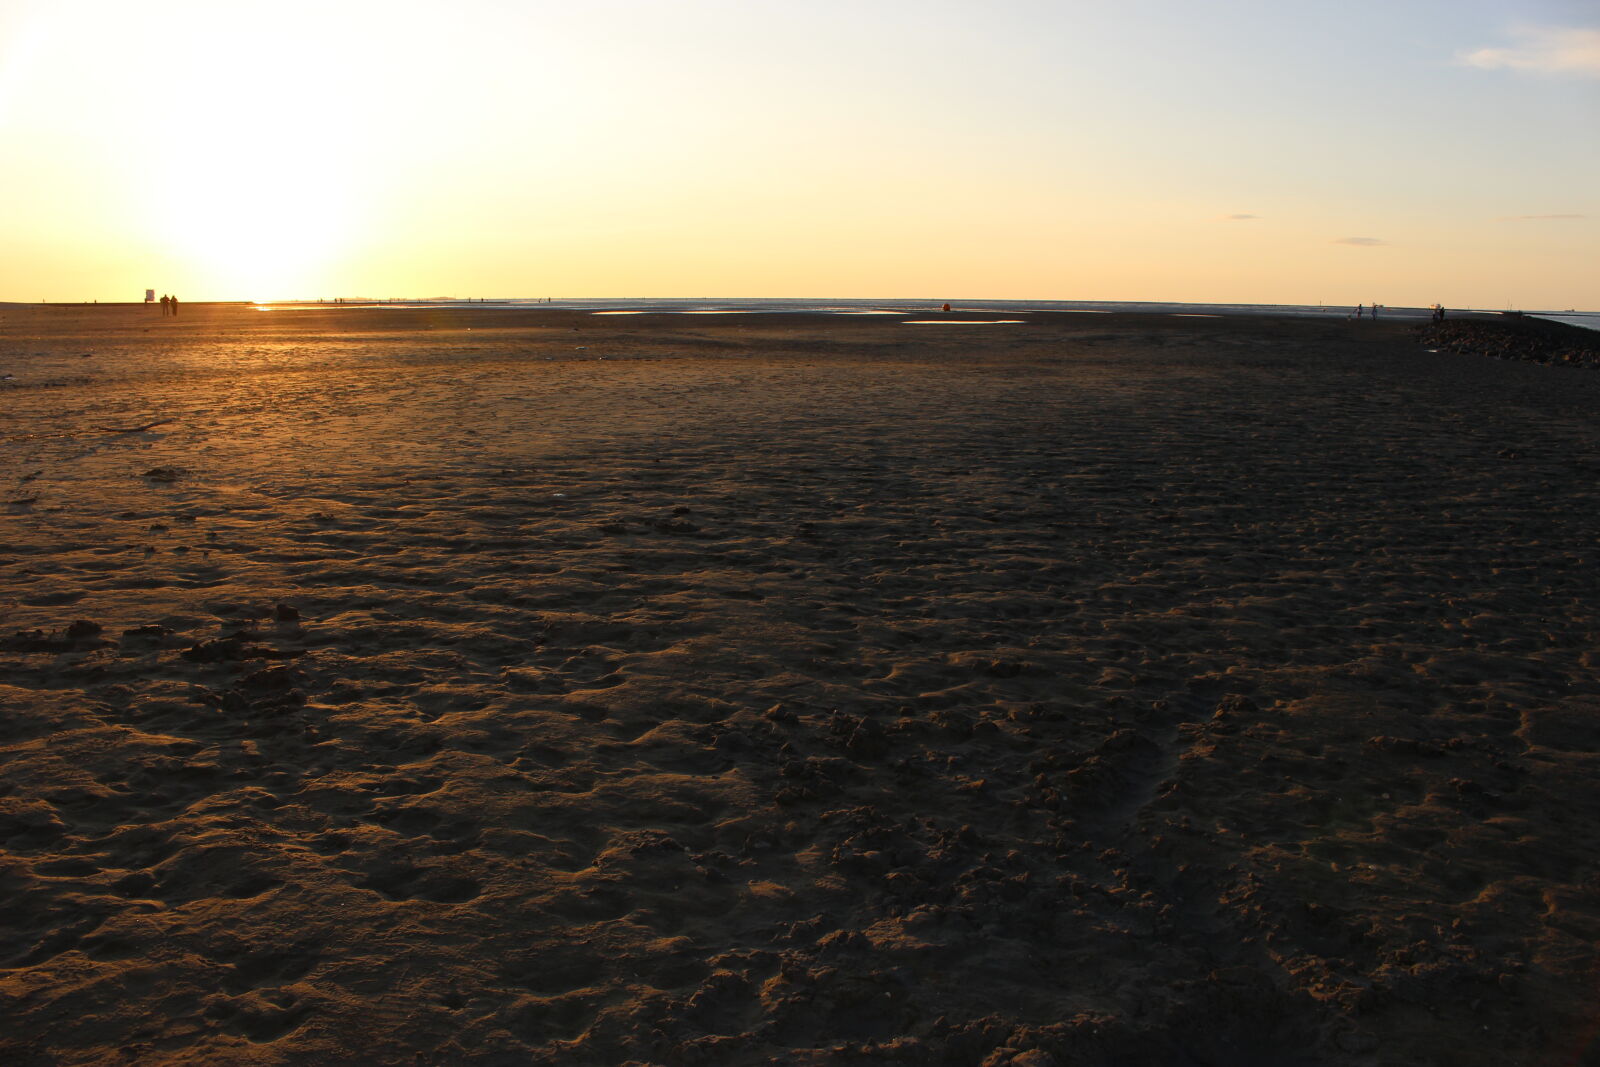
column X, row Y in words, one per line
column 530, row 687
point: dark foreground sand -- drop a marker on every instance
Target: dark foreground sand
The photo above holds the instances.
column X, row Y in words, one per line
column 1099, row 690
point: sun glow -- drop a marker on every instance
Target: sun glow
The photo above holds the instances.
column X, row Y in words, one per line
column 295, row 149
column 249, row 227
column 263, row 205
column 238, row 157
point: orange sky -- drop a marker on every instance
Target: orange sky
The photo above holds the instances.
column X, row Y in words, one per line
column 1155, row 150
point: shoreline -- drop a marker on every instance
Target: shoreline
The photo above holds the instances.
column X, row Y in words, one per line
column 835, row 306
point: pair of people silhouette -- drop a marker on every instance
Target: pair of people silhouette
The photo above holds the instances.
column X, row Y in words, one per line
column 169, row 305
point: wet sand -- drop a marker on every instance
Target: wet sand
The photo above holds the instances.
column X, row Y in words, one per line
column 529, row 687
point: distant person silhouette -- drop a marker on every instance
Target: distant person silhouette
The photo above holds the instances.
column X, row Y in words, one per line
column 173, row 302
column 1374, row 312
column 165, row 309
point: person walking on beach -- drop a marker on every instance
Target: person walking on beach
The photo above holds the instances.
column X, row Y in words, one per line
column 172, row 302
column 1374, row 313
column 1359, row 309
column 165, row 309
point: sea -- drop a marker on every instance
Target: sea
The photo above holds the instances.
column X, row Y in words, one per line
column 855, row 306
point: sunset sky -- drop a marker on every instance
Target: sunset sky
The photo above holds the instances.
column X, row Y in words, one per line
column 1234, row 150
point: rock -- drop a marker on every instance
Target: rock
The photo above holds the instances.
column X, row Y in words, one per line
column 83, row 628
column 285, row 613
column 150, row 630
column 33, row 641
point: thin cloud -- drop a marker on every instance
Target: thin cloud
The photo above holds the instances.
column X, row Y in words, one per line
column 1516, row 218
column 1364, row 242
column 1573, row 50
column 1237, row 218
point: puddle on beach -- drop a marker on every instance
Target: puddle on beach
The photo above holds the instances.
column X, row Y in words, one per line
column 747, row 311
column 356, row 307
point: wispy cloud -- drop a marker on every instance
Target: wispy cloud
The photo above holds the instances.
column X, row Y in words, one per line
column 1238, row 218
column 1365, row 242
column 1571, row 50
column 1518, row 218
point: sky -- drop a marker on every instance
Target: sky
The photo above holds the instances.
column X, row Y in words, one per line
column 1402, row 152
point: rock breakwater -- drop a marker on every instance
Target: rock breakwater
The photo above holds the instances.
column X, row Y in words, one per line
column 1528, row 340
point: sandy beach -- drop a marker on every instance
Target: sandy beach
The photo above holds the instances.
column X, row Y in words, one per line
column 526, row 687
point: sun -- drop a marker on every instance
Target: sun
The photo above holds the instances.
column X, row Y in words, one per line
column 250, row 213
column 257, row 231
column 255, row 193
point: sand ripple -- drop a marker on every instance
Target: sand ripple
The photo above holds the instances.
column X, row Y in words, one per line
column 1195, row 692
